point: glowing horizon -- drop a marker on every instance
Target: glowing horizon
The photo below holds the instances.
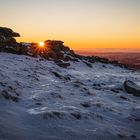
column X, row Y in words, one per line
column 81, row 24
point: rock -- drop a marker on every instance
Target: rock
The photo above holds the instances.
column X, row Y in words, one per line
column 57, row 74
column 58, row 114
column 115, row 90
column 77, row 115
column 7, row 32
column 68, row 58
column 124, row 98
column 54, row 50
column 133, row 136
column 7, row 95
column 121, row 135
column 38, row 104
column 88, row 64
column 56, row 95
column 7, row 40
column 67, row 78
column 85, row 104
column 131, row 88
column 63, row 65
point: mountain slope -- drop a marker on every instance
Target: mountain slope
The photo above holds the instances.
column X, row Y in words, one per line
column 41, row 101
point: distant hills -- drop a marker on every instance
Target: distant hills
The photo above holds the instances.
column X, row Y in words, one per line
column 132, row 59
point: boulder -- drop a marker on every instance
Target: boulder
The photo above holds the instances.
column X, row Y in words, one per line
column 132, row 88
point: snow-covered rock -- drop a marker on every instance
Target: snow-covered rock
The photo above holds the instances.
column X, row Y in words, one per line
column 77, row 103
column 132, row 88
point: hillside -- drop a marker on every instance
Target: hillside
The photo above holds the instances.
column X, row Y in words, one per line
column 131, row 59
column 40, row 100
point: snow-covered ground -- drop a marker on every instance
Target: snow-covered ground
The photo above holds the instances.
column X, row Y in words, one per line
column 48, row 102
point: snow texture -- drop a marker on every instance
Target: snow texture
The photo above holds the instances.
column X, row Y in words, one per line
column 42, row 101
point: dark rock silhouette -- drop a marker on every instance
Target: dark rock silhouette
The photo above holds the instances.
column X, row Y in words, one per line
column 8, row 33
column 7, row 41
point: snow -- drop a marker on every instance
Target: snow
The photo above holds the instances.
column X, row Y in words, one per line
column 26, row 44
column 84, row 103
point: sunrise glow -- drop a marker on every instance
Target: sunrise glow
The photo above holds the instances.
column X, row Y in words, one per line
column 81, row 24
column 41, row 44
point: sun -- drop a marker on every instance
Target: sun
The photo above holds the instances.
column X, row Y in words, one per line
column 41, row 44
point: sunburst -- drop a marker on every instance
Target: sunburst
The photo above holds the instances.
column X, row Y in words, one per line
column 41, row 44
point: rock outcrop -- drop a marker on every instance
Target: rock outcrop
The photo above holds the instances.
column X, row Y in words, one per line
column 52, row 50
column 7, row 40
column 8, row 33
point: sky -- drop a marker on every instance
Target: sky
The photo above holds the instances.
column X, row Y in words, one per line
column 81, row 24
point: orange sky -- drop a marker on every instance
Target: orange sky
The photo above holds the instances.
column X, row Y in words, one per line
column 81, row 24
